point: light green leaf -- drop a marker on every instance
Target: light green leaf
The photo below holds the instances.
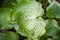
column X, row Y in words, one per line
column 5, row 22
column 8, row 36
column 26, row 15
column 53, row 11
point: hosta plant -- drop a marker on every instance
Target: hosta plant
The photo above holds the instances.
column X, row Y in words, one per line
column 30, row 20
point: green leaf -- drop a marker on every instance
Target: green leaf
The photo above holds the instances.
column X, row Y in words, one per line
column 8, row 36
column 53, row 11
column 26, row 15
column 9, row 3
column 5, row 22
column 52, row 27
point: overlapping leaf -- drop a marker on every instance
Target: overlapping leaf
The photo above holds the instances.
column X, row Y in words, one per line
column 5, row 22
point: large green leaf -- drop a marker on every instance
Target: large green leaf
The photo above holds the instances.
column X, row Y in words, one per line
column 52, row 27
column 8, row 36
column 53, row 11
column 5, row 22
column 26, row 15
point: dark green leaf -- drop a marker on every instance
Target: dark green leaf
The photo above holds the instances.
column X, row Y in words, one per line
column 53, row 11
column 8, row 36
column 26, row 15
